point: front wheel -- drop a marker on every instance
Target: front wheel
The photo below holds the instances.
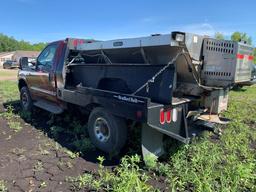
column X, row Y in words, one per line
column 107, row 132
column 25, row 99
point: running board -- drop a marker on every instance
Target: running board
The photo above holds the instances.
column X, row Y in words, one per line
column 49, row 106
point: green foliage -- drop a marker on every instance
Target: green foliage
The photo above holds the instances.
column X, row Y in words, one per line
column 9, row 113
column 3, row 187
column 38, row 166
column 225, row 164
column 26, row 115
column 71, row 154
column 10, row 44
column 43, row 185
column 82, row 181
column 83, row 145
column 238, row 36
column 219, row 36
column 127, row 177
column 150, row 161
column 56, row 131
column 15, row 125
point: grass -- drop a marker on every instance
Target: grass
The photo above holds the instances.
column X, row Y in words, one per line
column 43, row 185
column 9, row 91
column 38, row 166
column 8, row 73
column 228, row 164
column 12, row 119
column 128, row 176
column 14, row 125
column 3, row 187
column 210, row 163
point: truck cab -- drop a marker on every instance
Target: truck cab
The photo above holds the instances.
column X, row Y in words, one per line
column 40, row 77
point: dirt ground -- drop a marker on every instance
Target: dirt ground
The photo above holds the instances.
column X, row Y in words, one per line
column 32, row 161
column 8, row 74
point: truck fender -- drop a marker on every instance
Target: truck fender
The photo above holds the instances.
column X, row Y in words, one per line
column 22, row 83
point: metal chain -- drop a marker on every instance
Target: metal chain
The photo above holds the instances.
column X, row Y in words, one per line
column 152, row 80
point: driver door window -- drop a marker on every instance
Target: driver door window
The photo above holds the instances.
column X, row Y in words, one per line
column 46, row 58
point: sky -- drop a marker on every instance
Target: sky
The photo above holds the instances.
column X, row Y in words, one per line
column 50, row 20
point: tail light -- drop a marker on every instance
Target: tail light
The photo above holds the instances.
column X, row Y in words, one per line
column 165, row 116
column 168, row 116
column 75, row 42
column 162, row 116
column 250, row 58
column 239, row 56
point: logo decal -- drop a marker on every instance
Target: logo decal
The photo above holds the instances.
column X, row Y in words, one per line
column 128, row 99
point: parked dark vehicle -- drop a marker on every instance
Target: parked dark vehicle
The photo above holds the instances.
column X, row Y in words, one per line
column 10, row 64
column 172, row 85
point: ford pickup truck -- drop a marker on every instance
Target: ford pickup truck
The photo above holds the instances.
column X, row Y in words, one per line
column 171, row 84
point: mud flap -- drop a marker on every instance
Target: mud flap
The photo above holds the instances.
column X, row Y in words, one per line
column 151, row 143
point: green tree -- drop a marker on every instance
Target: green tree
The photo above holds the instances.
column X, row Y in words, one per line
column 10, row 44
column 219, row 36
column 238, row 36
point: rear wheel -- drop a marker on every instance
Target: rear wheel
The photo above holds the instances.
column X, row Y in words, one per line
column 25, row 99
column 107, row 132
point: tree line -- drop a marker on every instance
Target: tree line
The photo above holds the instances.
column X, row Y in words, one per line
column 10, row 44
column 238, row 36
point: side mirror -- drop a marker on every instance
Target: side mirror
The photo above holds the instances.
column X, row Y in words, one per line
column 23, row 63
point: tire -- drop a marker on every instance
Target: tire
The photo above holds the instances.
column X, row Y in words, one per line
column 26, row 100
column 114, row 138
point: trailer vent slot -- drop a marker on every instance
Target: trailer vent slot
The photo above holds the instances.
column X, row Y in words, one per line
column 217, row 73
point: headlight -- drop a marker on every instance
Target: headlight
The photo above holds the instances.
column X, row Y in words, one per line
column 178, row 36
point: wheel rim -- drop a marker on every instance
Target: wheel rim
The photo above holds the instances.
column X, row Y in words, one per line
column 24, row 100
column 101, row 129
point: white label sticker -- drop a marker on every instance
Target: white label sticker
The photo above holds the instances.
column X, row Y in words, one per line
column 174, row 115
column 195, row 39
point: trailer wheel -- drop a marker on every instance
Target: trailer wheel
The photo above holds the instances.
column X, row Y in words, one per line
column 25, row 99
column 107, row 132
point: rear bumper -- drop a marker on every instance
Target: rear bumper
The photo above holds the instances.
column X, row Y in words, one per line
column 176, row 127
column 248, row 83
column 184, row 124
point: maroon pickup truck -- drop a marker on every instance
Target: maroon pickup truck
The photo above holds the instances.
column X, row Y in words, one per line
column 157, row 82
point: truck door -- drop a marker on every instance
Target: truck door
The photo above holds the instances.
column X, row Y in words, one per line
column 43, row 78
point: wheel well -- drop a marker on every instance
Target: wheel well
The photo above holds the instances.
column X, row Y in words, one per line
column 22, row 83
